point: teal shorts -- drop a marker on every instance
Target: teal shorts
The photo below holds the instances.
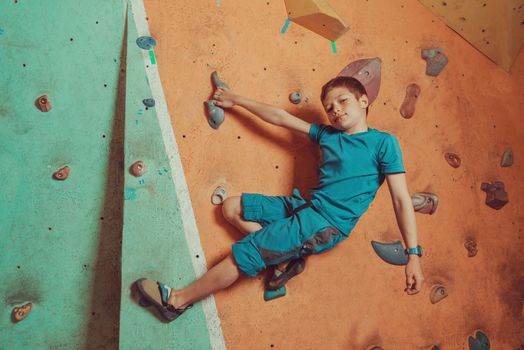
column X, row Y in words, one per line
column 291, row 228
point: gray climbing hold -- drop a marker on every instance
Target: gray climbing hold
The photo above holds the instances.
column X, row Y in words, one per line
column 146, row 42
column 496, row 196
column 507, row 158
column 217, row 82
column 435, row 61
column 149, row 102
column 480, row 342
column 392, row 253
column 215, row 115
column 295, row 97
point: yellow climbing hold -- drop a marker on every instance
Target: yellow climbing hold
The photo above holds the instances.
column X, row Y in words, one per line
column 317, row 16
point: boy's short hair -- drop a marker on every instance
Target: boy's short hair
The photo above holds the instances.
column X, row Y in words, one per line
column 353, row 85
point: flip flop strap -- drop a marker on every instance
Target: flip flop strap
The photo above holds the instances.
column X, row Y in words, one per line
column 164, row 294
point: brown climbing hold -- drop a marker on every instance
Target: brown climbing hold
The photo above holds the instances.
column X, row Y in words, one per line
column 137, row 169
column 496, row 197
column 43, row 103
column 452, row 159
column 471, row 246
column 507, row 158
column 21, row 312
column 438, row 292
column 61, row 174
column 408, row 106
column 425, row 202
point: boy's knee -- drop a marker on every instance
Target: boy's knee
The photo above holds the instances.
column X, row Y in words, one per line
column 232, row 208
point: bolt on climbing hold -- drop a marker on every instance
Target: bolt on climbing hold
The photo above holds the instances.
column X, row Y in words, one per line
column 375, row 347
column 437, row 293
column 149, row 102
column 137, row 169
column 496, row 196
column 146, row 42
column 43, row 103
column 471, row 247
column 215, row 114
column 217, row 82
column 452, row 159
column 219, row 195
column 425, row 202
column 507, row 158
column 61, row 174
column 21, row 312
column 479, row 342
column 367, row 71
column 295, row 97
column 435, row 61
column 407, row 109
column 392, row 253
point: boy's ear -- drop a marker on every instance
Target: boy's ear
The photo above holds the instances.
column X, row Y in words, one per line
column 364, row 102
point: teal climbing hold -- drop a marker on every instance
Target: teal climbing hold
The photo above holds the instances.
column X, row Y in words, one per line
column 146, row 42
column 295, row 97
column 149, row 102
column 480, row 342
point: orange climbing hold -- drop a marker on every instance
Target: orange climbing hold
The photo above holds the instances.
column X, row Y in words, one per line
column 61, row 174
column 21, row 312
column 317, row 16
column 137, row 169
column 43, row 103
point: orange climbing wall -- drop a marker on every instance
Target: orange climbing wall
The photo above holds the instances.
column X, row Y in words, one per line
column 348, row 298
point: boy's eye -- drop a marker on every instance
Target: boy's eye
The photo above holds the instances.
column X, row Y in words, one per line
column 343, row 100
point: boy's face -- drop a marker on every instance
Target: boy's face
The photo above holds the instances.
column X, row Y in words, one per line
column 344, row 111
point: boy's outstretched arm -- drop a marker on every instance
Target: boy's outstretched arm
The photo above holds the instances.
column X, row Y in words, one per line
column 405, row 215
column 268, row 113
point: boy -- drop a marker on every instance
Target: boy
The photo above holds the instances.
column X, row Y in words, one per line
column 356, row 160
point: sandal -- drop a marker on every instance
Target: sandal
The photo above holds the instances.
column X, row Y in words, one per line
column 293, row 268
column 156, row 293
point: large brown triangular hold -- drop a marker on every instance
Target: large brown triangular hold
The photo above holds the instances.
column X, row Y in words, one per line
column 494, row 27
column 317, row 16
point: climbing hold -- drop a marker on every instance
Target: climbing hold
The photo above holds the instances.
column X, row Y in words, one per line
column 480, row 342
column 61, row 174
column 149, row 102
column 375, row 347
column 217, row 82
column 137, row 169
column 408, row 106
column 317, row 16
column 425, row 202
column 21, row 312
column 392, row 253
column 219, row 195
column 215, row 115
column 496, row 197
column 295, row 97
column 452, row 159
column 437, row 293
column 43, row 103
column 507, row 158
column 435, row 61
column 145, row 42
column 367, row 71
column 435, row 347
column 471, row 247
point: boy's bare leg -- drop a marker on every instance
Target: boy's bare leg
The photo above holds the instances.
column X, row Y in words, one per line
column 232, row 211
column 218, row 277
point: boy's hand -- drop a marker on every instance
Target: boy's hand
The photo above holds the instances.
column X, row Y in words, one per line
column 224, row 98
column 414, row 277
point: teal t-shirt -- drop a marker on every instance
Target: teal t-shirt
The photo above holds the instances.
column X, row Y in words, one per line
column 352, row 169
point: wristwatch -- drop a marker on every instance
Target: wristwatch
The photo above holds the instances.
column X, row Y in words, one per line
column 414, row 251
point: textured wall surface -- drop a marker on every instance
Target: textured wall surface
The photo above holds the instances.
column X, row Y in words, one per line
column 348, row 298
